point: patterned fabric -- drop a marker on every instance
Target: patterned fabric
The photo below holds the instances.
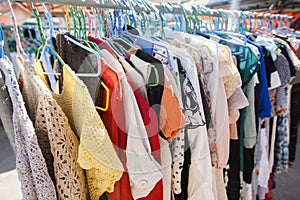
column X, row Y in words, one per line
column 232, row 81
column 203, row 60
column 283, row 69
column 281, row 100
column 69, row 176
column 32, row 106
column 281, row 158
column 177, row 149
column 30, row 163
column 193, row 119
column 96, row 153
column 191, row 107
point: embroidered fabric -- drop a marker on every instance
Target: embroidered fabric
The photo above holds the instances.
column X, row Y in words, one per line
column 31, row 103
column 69, row 176
column 96, row 152
column 30, row 163
column 233, row 81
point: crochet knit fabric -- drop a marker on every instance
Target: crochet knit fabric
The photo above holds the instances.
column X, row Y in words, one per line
column 30, row 163
column 96, row 152
column 69, row 176
column 32, row 98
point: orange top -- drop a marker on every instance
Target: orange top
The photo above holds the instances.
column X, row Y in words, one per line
column 171, row 117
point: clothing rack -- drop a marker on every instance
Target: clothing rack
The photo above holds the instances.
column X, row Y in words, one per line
column 185, row 9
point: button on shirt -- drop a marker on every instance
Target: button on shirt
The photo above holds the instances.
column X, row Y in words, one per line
column 144, row 171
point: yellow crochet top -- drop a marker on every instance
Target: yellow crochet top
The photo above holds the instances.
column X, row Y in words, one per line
column 96, row 152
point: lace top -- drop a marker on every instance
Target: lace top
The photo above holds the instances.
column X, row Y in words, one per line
column 69, row 176
column 30, row 163
column 233, row 80
column 96, row 152
column 30, row 96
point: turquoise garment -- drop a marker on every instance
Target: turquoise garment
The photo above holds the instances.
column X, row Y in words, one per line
column 248, row 62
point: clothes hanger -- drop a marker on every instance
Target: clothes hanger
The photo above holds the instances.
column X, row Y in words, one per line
column 185, row 18
column 67, row 18
column 80, row 23
column 16, row 33
column 93, row 74
column 1, row 43
column 99, row 23
column 75, row 31
column 237, row 35
column 89, row 21
column 106, row 99
column 170, row 7
column 50, row 23
column 44, row 41
column 71, row 40
column 95, row 23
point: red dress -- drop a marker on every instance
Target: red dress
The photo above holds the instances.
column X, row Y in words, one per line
column 150, row 121
column 115, row 125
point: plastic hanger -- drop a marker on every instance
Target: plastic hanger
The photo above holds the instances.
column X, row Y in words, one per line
column 50, row 23
column 105, row 23
column 16, row 33
column 169, row 6
column 72, row 11
column 94, row 25
column 106, row 99
column 1, row 43
column 80, row 23
column 184, row 17
column 90, row 50
column 93, row 74
column 237, row 35
column 99, row 23
column 196, row 20
column 116, row 50
column 84, row 24
column 122, row 42
column 67, row 18
column 44, row 41
column 49, row 19
column 89, row 21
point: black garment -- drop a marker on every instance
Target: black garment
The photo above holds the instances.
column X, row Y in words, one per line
column 72, row 54
column 185, row 170
column 233, row 186
column 131, row 30
column 270, row 66
column 205, row 105
column 154, row 92
column 285, row 53
column 295, row 119
column 248, row 164
column 187, row 153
